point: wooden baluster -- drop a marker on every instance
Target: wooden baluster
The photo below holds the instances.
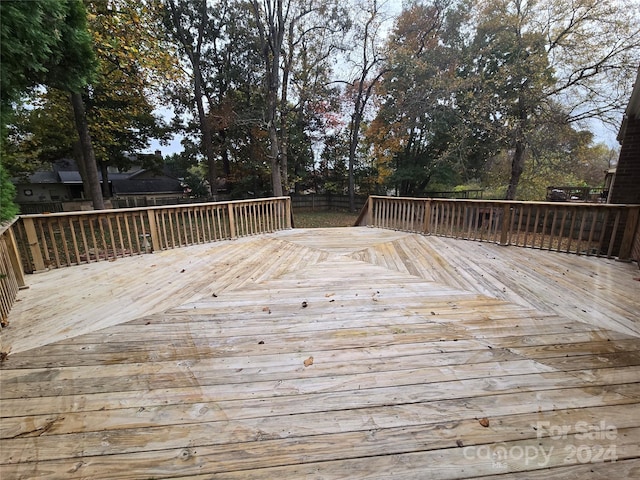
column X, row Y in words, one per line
column 74, row 239
column 574, row 214
column 232, row 220
column 153, row 231
column 83, row 234
column 506, row 223
column 562, row 224
column 54, row 243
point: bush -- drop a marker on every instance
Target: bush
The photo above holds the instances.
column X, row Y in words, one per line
column 8, row 209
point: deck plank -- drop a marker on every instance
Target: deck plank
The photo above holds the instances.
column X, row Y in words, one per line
column 209, row 376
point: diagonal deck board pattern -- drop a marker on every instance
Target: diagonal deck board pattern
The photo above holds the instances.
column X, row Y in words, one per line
column 215, row 379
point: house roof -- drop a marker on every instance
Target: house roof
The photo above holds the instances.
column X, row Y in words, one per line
column 74, row 177
column 146, row 185
column 43, row 177
column 139, row 182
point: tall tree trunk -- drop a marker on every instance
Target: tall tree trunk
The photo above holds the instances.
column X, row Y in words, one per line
column 272, row 123
column 194, row 55
column 78, row 156
column 517, row 167
column 272, row 29
column 106, row 191
column 276, row 178
column 224, row 152
column 88, row 156
column 517, row 162
column 353, row 146
column 205, row 128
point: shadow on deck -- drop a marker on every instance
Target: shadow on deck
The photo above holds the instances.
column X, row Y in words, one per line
column 331, row 353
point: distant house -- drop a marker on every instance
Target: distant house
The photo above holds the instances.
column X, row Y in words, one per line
column 63, row 184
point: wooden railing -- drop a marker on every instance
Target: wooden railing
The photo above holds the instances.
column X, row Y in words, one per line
column 64, row 239
column 11, row 271
column 589, row 229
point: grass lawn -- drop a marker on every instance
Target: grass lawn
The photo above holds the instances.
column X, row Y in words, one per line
column 316, row 219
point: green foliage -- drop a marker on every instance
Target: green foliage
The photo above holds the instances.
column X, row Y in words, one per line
column 43, row 42
column 28, row 34
column 8, row 209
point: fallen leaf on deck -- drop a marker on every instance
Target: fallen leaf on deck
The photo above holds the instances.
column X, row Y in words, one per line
column 261, row 342
column 329, row 294
column 266, row 309
column 484, row 422
column 308, row 362
column 182, row 271
column 304, row 304
column 459, row 443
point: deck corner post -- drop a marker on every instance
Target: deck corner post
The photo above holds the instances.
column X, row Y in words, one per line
column 506, row 222
column 369, row 220
column 426, row 228
column 34, row 244
column 232, row 220
column 153, row 230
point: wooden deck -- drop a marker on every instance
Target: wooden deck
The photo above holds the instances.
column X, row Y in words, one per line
column 326, row 354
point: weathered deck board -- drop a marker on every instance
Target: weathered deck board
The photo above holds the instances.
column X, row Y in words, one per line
column 205, row 376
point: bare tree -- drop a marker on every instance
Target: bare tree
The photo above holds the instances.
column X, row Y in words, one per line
column 191, row 28
column 367, row 69
column 283, row 25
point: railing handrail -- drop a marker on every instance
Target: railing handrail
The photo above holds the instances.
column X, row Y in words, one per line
column 145, row 209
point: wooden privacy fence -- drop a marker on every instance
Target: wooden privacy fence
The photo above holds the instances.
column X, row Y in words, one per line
column 589, row 229
column 64, row 239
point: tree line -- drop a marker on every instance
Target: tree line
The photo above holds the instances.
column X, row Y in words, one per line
column 276, row 96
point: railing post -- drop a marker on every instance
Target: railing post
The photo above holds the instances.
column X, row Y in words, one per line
column 288, row 214
column 631, row 226
column 426, row 228
column 14, row 257
column 232, row 220
column 506, row 223
column 369, row 220
column 153, row 227
column 34, row 245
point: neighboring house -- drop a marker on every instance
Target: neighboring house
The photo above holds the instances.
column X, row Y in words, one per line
column 64, row 184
